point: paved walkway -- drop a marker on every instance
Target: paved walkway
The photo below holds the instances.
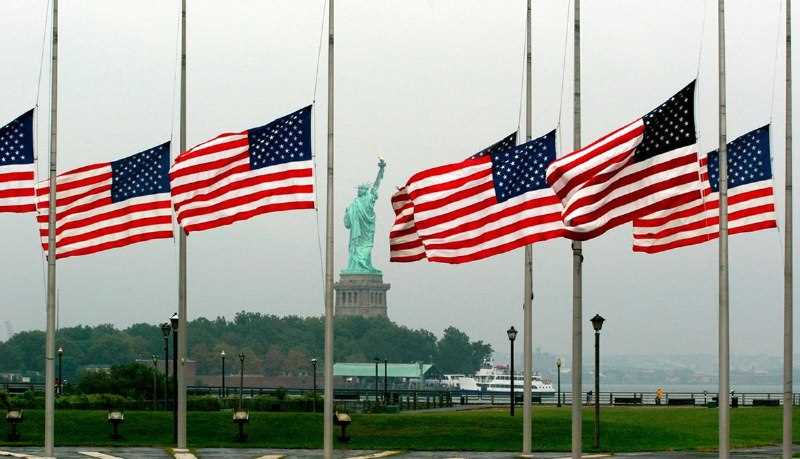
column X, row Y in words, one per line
column 250, row 453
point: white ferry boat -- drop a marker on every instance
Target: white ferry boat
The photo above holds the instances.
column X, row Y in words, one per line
column 464, row 383
column 495, row 379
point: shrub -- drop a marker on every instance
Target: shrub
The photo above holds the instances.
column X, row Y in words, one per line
column 133, row 381
column 204, row 403
column 96, row 402
column 280, row 393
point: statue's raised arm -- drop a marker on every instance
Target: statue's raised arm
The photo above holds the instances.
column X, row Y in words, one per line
column 377, row 184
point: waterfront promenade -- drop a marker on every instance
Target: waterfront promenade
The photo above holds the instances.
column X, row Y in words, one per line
column 246, row 453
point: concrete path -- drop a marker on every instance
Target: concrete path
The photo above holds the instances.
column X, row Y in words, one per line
column 79, row 452
column 252, row 453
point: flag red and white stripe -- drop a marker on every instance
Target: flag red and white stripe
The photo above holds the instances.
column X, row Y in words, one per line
column 404, row 243
column 17, row 188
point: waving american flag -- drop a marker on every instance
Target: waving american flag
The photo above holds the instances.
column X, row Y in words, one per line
column 489, row 204
column 107, row 205
column 641, row 168
column 751, row 202
column 236, row 176
column 16, row 165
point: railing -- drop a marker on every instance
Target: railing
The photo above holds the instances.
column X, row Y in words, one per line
column 428, row 398
column 636, row 399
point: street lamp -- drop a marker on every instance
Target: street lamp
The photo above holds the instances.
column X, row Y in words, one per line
column 155, row 382
column 597, row 324
column 222, row 356
column 166, row 329
column 385, row 382
column 241, row 380
column 377, row 361
column 173, row 321
column 60, row 374
column 558, row 372
column 314, row 373
column 512, row 335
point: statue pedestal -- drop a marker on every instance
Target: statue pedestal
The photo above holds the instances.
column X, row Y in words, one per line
column 360, row 295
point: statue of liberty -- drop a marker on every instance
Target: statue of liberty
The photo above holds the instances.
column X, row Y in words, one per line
column 359, row 218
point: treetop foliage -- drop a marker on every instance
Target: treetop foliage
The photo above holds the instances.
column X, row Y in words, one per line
column 272, row 345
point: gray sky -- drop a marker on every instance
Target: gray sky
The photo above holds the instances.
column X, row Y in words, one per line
column 421, row 82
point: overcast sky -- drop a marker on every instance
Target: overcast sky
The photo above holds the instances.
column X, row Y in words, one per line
column 420, row 82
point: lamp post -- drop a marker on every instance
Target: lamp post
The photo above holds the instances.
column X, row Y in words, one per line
column 597, row 324
column 222, row 356
column 174, row 325
column 155, row 382
column 512, row 335
column 385, row 382
column 60, row 374
column 241, row 380
column 377, row 361
column 314, row 377
column 558, row 377
column 166, row 329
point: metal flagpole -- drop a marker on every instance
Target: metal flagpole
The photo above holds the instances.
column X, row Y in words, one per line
column 788, row 278
column 328, row 370
column 183, row 328
column 50, row 345
column 527, row 412
column 724, row 326
column 577, row 258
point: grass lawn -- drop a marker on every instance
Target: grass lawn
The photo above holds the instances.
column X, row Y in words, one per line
column 623, row 429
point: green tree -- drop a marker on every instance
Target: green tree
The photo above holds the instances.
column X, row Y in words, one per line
column 456, row 354
column 132, row 380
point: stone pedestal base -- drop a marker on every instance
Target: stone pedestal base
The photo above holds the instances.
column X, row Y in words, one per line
column 361, row 295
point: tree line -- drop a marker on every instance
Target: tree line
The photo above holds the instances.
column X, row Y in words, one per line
column 272, row 345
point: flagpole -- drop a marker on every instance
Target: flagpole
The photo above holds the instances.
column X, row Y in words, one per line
column 527, row 412
column 50, row 345
column 577, row 259
column 788, row 277
column 724, row 325
column 182, row 300
column 328, row 369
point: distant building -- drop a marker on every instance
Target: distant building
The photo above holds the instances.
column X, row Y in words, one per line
column 396, row 373
column 96, row 368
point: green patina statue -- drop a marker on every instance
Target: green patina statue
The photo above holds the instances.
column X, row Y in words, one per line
column 360, row 220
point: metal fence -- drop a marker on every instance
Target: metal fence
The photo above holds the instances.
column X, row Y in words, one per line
column 413, row 399
column 436, row 398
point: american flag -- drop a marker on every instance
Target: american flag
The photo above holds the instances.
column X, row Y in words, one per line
column 237, row 176
column 486, row 205
column 641, row 168
column 751, row 203
column 16, row 166
column 405, row 245
column 107, row 205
